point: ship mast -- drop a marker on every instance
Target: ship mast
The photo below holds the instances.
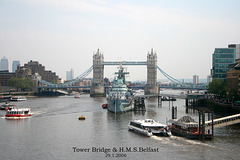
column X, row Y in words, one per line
column 121, row 73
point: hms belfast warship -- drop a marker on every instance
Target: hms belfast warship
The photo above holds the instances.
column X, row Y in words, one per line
column 119, row 97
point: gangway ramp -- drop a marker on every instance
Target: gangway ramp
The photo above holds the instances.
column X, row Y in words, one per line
column 224, row 121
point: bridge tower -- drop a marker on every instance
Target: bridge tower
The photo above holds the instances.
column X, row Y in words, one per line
column 97, row 88
column 151, row 87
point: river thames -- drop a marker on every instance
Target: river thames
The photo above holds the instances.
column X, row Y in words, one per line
column 54, row 132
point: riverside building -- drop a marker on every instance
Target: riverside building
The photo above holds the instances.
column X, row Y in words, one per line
column 233, row 78
column 4, row 79
column 34, row 67
column 221, row 59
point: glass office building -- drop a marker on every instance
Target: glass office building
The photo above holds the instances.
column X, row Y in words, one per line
column 4, row 64
column 221, row 59
column 15, row 64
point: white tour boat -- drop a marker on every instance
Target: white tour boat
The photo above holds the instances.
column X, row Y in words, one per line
column 7, row 106
column 19, row 98
column 18, row 112
column 149, row 127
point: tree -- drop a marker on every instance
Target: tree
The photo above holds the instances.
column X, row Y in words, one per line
column 13, row 82
column 27, row 84
column 53, row 82
column 21, row 83
column 233, row 95
column 217, row 87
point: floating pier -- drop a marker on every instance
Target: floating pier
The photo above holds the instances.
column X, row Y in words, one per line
column 192, row 129
column 139, row 104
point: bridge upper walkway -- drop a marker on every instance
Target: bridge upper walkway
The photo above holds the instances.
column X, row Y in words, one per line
column 117, row 63
column 224, row 121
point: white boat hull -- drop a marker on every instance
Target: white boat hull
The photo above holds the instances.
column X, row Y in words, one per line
column 140, row 131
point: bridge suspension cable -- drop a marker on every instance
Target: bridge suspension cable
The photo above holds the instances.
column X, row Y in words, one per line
column 171, row 78
column 79, row 78
column 88, row 71
column 68, row 83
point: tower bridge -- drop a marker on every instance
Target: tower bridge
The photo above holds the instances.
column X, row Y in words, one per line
column 97, row 89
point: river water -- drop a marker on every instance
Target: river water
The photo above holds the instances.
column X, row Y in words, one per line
column 54, row 132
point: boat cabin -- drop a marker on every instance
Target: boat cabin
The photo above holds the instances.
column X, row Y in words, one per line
column 18, row 112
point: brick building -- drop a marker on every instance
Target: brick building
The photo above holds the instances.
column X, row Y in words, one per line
column 233, row 77
column 4, row 79
column 33, row 67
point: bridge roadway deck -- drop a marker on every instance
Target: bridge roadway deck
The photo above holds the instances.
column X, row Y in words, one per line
column 224, row 121
column 133, row 87
column 62, row 87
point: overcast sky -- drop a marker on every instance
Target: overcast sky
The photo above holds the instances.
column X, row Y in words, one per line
column 63, row 34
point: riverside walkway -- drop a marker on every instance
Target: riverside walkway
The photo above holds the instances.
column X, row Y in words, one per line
column 224, row 121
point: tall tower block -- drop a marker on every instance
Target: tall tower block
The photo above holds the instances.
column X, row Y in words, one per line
column 97, row 88
column 151, row 87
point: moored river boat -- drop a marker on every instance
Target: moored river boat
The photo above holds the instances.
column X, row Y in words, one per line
column 187, row 127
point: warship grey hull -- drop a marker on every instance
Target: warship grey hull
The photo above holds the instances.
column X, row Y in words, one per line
column 120, row 105
column 120, row 99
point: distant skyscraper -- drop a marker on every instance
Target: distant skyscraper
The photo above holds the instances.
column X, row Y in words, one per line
column 195, row 79
column 209, row 79
column 15, row 64
column 70, row 75
column 4, row 64
column 67, row 75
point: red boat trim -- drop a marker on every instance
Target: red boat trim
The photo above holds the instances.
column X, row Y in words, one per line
column 17, row 115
